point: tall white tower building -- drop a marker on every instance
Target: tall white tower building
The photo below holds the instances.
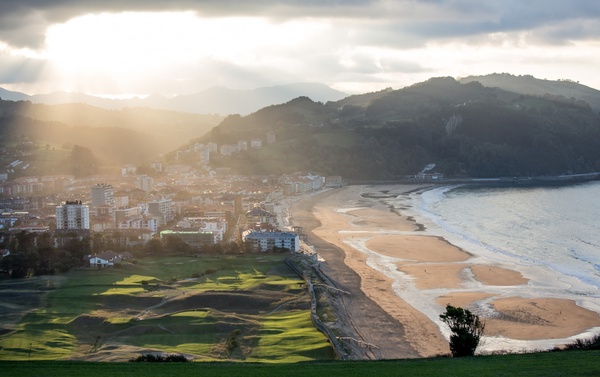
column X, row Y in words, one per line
column 73, row 215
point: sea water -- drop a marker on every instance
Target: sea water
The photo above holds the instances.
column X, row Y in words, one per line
column 551, row 235
column 553, row 227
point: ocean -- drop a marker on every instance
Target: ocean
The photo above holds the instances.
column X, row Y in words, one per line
column 553, row 227
column 549, row 234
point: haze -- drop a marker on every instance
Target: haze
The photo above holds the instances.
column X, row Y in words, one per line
column 125, row 48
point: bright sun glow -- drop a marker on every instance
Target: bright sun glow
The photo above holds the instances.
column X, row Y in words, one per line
column 129, row 45
column 118, row 44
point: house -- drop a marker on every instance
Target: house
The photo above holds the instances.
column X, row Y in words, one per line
column 105, row 259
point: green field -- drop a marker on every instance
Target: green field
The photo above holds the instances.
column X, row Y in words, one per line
column 567, row 364
column 251, row 308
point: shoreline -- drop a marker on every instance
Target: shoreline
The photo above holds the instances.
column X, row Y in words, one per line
column 411, row 272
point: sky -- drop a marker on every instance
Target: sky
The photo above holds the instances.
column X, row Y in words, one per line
column 124, row 48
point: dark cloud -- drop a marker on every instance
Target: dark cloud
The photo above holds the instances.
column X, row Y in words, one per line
column 17, row 28
column 23, row 22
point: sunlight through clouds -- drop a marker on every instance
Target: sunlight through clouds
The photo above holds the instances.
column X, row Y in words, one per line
column 133, row 44
column 356, row 46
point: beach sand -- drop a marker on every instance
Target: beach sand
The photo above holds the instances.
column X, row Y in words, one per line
column 356, row 233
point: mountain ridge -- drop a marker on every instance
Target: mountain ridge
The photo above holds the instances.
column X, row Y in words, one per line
column 214, row 100
column 467, row 129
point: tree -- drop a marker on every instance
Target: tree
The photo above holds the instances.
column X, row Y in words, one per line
column 154, row 246
column 466, row 328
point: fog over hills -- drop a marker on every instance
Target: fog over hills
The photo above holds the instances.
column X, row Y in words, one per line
column 215, row 100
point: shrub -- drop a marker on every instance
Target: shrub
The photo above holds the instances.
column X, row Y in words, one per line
column 466, row 328
column 150, row 358
column 585, row 344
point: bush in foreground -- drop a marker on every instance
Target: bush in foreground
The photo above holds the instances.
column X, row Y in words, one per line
column 150, row 358
column 585, row 344
column 466, row 328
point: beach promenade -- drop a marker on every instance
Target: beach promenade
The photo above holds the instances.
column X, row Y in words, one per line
column 400, row 278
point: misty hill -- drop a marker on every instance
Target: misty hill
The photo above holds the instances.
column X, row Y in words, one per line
column 43, row 135
column 532, row 86
column 466, row 129
column 216, row 100
column 171, row 128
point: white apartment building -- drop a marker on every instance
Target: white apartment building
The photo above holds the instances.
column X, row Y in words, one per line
column 267, row 241
column 73, row 215
column 140, row 223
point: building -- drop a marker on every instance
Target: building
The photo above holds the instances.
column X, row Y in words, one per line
column 103, row 195
column 334, row 181
column 121, row 199
column 259, row 215
column 216, row 225
column 157, row 166
column 271, row 137
column 163, row 209
column 150, row 223
column 102, row 260
column 126, row 213
column 242, row 145
column 73, row 215
column 256, row 143
column 144, row 183
column 270, row 241
column 228, row 150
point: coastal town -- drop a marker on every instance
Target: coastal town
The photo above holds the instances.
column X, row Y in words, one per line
column 209, row 210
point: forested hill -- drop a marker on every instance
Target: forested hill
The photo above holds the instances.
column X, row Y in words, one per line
column 466, row 129
column 532, row 86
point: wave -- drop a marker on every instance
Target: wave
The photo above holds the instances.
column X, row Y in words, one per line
column 519, row 226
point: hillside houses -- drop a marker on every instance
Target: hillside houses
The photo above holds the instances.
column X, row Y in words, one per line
column 201, row 153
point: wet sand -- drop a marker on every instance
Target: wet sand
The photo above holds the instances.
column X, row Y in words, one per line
column 400, row 277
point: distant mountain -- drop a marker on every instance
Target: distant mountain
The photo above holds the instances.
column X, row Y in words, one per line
column 465, row 129
column 216, row 100
column 13, row 96
column 115, row 137
column 221, row 100
column 537, row 87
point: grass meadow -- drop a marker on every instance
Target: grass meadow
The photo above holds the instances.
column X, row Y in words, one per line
column 251, row 308
column 567, row 364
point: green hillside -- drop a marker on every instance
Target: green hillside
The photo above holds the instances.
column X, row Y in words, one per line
column 466, row 129
column 209, row 308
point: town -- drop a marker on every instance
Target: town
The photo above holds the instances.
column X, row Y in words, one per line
column 180, row 206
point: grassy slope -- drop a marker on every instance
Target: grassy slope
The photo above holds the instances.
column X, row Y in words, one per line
column 93, row 309
column 572, row 363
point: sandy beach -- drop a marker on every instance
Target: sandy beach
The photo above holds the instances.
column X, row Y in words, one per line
column 409, row 275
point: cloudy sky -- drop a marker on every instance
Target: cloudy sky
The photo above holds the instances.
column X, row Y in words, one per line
column 183, row 46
